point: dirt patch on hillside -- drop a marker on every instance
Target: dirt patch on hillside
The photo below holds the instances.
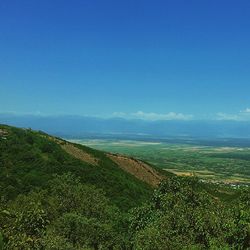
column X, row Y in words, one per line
column 74, row 151
column 3, row 132
column 79, row 154
column 56, row 140
column 137, row 168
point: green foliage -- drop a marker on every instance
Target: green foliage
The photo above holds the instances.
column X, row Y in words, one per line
column 52, row 201
column 1, row 241
column 88, row 232
column 29, row 159
column 181, row 215
column 68, row 213
column 24, row 222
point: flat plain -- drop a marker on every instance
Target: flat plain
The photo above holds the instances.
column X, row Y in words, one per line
column 227, row 164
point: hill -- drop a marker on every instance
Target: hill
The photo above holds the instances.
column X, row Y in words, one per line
column 29, row 159
column 57, row 195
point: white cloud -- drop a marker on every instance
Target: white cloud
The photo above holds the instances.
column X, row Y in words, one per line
column 153, row 116
column 119, row 114
column 227, row 117
column 241, row 116
column 247, row 110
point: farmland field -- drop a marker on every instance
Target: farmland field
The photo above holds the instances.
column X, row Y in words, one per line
column 214, row 163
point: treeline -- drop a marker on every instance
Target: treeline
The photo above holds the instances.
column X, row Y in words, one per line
column 69, row 215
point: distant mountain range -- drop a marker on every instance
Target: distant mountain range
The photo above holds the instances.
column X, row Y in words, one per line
column 82, row 126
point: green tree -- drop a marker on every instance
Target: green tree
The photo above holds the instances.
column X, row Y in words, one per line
column 25, row 222
column 183, row 216
column 1, row 241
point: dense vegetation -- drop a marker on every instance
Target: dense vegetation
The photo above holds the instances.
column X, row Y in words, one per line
column 51, row 201
column 71, row 215
column 65, row 215
column 28, row 159
column 182, row 215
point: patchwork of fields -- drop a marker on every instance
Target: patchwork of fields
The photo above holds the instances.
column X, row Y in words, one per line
column 223, row 164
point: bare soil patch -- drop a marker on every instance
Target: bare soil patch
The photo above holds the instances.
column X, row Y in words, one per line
column 139, row 169
column 79, row 154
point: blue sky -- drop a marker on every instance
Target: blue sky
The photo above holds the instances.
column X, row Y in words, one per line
column 135, row 58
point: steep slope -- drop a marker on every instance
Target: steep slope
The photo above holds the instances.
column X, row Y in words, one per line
column 139, row 169
column 80, row 154
column 29, row 159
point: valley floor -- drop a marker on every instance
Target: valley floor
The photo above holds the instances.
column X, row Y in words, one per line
column 225, row 164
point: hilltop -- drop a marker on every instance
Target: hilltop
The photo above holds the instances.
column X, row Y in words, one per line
column 30, row 158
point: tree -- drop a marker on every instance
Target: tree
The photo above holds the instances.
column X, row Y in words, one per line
column 183, row 216
column 1, row 241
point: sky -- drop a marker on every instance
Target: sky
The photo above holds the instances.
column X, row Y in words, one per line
column 153, row 60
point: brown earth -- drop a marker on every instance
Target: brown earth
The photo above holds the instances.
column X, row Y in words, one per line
column 75, row 152
column 3, row 132
column 79, row 154
column 139, row 169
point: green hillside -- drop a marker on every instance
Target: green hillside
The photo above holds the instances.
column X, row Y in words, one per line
column 29, row 159
column 57, row 195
